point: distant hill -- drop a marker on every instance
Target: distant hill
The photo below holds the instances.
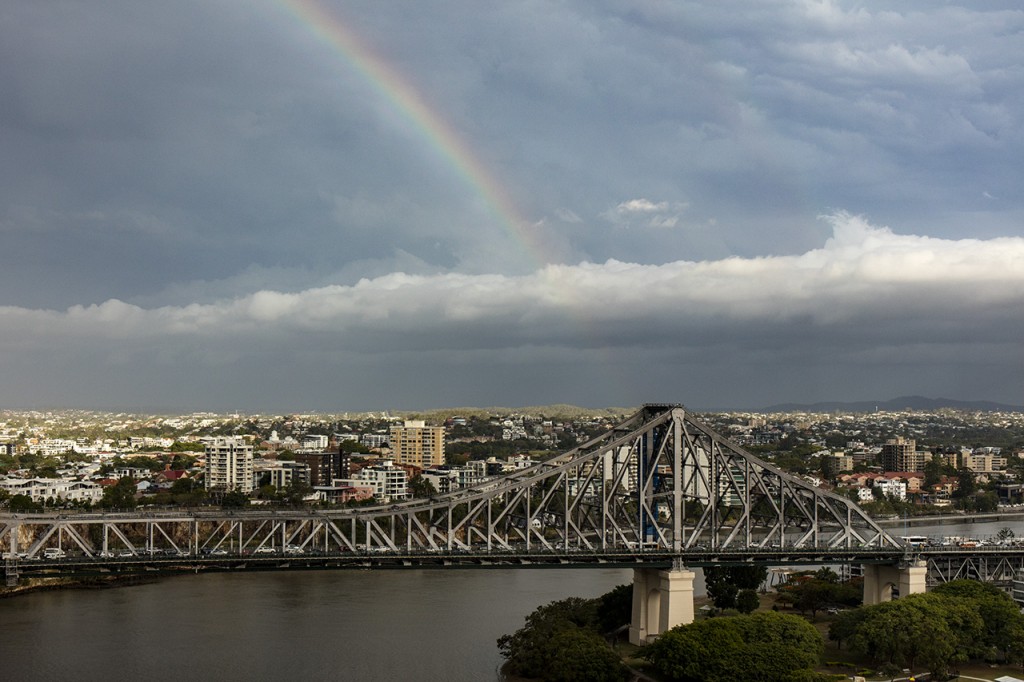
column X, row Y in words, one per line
column 911, row 402
column 560, row 412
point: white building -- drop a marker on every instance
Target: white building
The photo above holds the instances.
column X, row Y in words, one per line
column 891, row 488
column 314, row 442
column 42, row 489
column 388, row 481
column 373, row 440
column 448, row 478
column 229, row 465
column 51, row 447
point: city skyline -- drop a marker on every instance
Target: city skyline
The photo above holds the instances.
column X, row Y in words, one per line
column 311, row 205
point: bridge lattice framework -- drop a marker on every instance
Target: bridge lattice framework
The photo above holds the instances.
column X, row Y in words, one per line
column 661, row 481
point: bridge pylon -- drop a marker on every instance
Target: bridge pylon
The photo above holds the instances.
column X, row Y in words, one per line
column 881, row 579
column 662, row 599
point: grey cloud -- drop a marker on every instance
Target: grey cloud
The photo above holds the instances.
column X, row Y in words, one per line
column 868, row 297
column 199, row 182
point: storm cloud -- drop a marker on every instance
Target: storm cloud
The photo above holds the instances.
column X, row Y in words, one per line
column 729, row 204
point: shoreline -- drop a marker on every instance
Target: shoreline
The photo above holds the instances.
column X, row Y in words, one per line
column 97, row 583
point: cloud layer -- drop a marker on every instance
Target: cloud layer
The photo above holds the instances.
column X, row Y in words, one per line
column 886, row 304
column 204, row 202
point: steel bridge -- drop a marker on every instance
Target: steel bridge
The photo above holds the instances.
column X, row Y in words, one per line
column 658, row 490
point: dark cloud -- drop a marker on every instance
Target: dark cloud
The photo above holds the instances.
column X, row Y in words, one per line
column 177, row 177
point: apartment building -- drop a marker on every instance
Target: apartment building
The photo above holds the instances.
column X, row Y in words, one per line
column 418, row 444
column 229, row 465
column 901, row 454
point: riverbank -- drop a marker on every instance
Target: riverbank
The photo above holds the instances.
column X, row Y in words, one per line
column 33, row 585
column 951, row 519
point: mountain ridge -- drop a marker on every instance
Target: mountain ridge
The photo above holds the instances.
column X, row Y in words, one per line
column 912, row 402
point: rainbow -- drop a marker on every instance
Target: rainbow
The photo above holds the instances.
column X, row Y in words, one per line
column 423, row 120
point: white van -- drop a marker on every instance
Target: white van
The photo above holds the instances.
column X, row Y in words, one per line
column 53, row 553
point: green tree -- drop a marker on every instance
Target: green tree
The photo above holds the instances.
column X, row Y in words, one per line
column 931, row 630
column 724, row 582
column 966, row 483
column 529, row 650
column 234, row 498
column 421, row 487
column 23, row 503
column 762, row 647
column 121, row 495
column 845, row 626
column 615, row 608
column 747, row 601
column 932, row 473
column 579, row 655
column 1003, row 623
column 296, row 493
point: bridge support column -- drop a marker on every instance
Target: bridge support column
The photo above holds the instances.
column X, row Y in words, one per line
column 661, row 601
column 880, row 579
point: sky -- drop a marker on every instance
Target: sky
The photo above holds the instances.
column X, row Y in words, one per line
column 332, row 205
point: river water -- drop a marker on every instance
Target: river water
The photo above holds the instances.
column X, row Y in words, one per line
column 312, row 625
column 409, row 624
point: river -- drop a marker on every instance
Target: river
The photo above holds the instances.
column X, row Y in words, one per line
column 410, row 624
column 407, row 624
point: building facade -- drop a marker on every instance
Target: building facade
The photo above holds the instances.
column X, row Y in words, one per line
column 324, row 467
column 901, row 454
column 418, row 444
column 388, row 482
column 229, row 465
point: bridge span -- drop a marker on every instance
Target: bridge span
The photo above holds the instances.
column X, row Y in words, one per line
column 661, row 493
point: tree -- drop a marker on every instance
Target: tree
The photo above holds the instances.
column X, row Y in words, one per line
column 615, row 608
column 724, row 582
column 722, row 592
column 23, row 503
column 560, row 641
column 529, row 650
column 966, row 483
column 234, row 498
column 932, row 472
column 747, row 601
column 845, row 626
column 121, row 495
column 580, row 654
column 932, row 630
column 296, row 492
column 1002, row 621
column 421, row 487
column 762, row 647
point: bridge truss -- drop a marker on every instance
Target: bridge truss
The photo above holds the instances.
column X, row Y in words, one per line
column 660, row 484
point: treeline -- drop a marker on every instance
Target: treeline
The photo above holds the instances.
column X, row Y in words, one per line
column 564, row 641
column 956, row 622
column 762, row 647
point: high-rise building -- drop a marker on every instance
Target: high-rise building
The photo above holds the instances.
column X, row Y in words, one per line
column 418, row 444
column 324, row 467
column 900, row 454
column 229, row 465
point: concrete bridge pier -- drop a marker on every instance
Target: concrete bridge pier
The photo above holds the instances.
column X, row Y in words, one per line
column 880, row 579
column 661, row 600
